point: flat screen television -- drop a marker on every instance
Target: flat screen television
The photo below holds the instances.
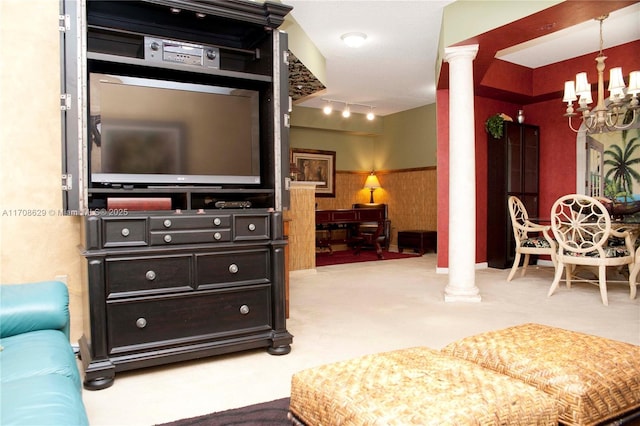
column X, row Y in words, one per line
column 157, row 132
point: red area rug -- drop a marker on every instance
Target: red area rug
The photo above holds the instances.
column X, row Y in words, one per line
column 347, row 256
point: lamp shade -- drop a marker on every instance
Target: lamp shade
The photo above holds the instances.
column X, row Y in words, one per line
column 634, row 83
column 372, row 182
column 616, row 81
column 569, row 92
column 582, row 84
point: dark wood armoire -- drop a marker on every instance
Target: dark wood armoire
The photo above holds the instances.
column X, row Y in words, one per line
column 512, row 169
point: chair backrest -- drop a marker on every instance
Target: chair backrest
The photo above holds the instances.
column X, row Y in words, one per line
column 519, row 218
column 581, row 224
column 371, row 206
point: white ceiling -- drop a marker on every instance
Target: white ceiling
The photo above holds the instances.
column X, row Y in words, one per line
column 622, row 26
column 395, row 69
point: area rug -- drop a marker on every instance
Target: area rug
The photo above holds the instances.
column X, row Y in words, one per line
column 272, row 413
column 347, row 256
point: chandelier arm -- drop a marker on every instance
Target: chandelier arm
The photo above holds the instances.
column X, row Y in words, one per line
column 571, row 125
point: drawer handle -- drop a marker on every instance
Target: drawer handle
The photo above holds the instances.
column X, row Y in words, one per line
column 244, row 309
column 252, row 227
column 150, row 275
column 141, row 323
column 167, row 223
column 217, row 236
column 217, row 221
column 233, row 268
column 167, row 238
column 125, row 232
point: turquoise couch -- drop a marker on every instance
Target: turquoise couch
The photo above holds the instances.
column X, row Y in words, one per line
column 39, row 377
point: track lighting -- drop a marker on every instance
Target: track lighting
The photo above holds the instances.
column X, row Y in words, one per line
column 348, row 107
column 327, row 108
column 370, row 115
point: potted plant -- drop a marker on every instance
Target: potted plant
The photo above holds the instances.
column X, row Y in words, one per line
column 494, row 126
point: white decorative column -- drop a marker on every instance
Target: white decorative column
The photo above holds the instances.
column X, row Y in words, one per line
column 462, row 177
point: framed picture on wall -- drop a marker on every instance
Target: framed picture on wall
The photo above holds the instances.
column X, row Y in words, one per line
column 316, row 166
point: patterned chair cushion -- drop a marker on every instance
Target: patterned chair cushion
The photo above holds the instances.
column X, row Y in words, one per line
column 608, row 252
column 535, row 242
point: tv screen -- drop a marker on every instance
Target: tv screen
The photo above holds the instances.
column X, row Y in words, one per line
column 147, row 131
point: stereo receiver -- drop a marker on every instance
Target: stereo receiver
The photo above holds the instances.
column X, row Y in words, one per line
column 161, row 50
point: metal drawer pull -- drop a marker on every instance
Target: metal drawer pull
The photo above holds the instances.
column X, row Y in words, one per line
column 217, row 221
column 217, row 236
column 244, row 309
column 125, row 232
column 141, row 323
column 252, row 227
column 167, row 223
column 167, row 238
column 150, row 275
column 233, row 268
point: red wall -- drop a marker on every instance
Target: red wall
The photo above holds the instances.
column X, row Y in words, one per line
column 557, row 141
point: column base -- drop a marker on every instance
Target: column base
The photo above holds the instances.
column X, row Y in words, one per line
column 462, row 298
column 458, row 294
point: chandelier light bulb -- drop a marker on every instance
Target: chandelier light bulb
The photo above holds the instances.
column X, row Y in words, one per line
column 346, row 113
column 327, row 109
column 370, row 116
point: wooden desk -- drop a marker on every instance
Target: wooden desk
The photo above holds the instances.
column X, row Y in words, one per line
column 336, row 219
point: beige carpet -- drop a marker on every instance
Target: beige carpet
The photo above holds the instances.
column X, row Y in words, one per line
column 343, row 311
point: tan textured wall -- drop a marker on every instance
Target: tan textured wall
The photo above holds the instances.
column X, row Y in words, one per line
column 410, row 194
column 36, row 242
column 302, row 253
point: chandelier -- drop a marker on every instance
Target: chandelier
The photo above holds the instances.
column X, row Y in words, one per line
column 621, row 110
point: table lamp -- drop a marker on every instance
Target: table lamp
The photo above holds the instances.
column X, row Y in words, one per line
column 371, row 184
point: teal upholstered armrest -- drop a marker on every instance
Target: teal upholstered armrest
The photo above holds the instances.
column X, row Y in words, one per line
column 33, row 306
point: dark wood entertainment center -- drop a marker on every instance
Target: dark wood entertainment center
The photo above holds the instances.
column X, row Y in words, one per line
column 204, row 276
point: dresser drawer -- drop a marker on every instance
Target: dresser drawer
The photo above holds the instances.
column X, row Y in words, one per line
column 251, row 266
column 190, row 222
column 251, row 227
column 147, row 274
column 165, row 238
column 138, row 324
column 124, row 232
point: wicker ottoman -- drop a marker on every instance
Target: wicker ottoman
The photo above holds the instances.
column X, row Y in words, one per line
column 595, row 379
column 417, row 386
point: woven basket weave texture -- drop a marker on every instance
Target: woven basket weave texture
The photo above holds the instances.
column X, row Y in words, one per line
column 415, row 386
column 595, row 379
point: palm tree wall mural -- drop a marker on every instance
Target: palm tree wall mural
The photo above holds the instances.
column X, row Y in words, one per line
column 622, row 167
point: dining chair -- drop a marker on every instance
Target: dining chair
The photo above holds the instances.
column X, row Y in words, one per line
column 530, row 238
column 634, row 275
column 582, row 228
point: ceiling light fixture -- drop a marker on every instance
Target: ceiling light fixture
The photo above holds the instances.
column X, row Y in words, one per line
column 348, row 106
column 354, row 39
column 603, row 117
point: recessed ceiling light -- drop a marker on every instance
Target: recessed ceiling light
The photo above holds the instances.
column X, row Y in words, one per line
column 354, row 39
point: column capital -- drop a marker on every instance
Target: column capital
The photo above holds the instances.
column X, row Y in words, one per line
column 468, row 51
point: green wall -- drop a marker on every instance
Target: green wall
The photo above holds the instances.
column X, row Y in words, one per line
column 398, row 141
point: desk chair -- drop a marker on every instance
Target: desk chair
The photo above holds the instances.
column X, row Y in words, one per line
column 384, row 238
